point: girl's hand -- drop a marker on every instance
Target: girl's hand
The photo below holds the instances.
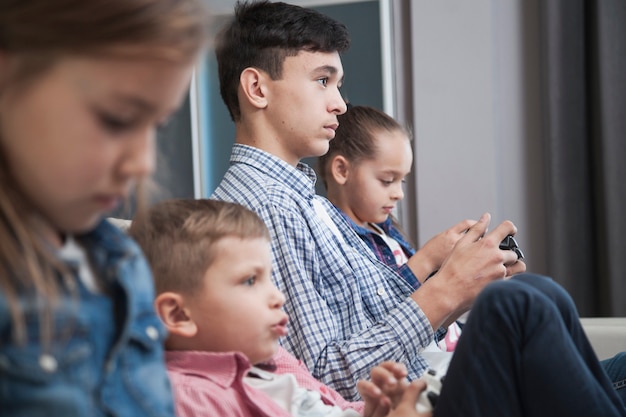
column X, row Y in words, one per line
column 431, row 256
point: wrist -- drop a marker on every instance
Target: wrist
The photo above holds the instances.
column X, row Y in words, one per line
column 420, row 266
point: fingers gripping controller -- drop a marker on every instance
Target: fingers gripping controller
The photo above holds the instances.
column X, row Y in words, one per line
column 509, row 243
column 428, row 398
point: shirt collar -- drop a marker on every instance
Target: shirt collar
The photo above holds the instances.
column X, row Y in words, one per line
column 363, row 231
column 223, row 368
column 302, row 178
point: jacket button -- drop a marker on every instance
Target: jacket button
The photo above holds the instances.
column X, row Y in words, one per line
column 48, row 363
column 152, row 332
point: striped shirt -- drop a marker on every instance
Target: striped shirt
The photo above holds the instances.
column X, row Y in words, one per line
column 348, row 311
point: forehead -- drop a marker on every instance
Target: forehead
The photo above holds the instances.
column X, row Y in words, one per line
column 249, row 251
column 314, row 64
column 393, row 149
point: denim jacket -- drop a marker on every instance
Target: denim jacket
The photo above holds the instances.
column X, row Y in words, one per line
column 382, row 250
column 106, row 355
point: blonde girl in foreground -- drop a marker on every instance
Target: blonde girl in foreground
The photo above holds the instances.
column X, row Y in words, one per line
column 83, row 87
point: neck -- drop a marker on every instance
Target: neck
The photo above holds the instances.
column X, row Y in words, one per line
column 264, row 138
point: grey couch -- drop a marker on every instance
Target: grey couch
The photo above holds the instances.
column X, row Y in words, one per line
column 607, row 335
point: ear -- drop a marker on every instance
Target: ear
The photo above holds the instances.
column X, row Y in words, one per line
column 252, row 82
column 340, row 169
column 170, row 307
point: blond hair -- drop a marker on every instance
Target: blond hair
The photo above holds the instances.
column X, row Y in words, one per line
column 38, row 33
column 178, row 237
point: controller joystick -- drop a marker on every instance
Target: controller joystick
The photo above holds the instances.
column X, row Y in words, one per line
column 429, row 397
column 509, row 243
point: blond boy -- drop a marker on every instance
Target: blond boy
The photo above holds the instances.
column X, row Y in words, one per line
column 212, row 265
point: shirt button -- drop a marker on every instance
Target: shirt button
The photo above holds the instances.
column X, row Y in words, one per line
column 48, row 363
column 380, row 291
column 152, row 332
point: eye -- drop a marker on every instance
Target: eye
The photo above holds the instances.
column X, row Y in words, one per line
column 386, row 182
column 115, row 124
column 323, row 81
column 250, row 281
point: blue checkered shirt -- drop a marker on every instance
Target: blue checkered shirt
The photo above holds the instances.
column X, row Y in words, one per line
column 348, row 311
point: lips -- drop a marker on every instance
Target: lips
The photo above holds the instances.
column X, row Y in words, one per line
column 109, row 202
column 280, row 328
column 331, row 129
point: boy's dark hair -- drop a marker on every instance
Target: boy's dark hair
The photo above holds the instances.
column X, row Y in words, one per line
column 262, row 34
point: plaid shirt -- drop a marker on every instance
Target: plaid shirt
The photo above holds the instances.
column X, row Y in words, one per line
column 348, row 311
column 383, row 252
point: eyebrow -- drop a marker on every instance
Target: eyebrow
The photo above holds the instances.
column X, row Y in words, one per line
column 144, row 106
column 328, row 69
column 140, row 103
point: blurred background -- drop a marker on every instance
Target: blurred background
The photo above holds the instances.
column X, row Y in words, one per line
column 518, row 108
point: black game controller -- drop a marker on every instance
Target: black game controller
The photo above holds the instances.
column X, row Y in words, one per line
column 428, row 398
column 509, row 243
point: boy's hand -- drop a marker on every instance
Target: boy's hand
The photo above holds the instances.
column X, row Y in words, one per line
column 407, row 407
column 430, row 257
column 384, row 390
column 475, row 261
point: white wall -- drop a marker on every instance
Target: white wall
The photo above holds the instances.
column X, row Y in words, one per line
column 477, row 117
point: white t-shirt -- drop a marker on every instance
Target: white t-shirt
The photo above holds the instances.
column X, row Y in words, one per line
column 74, row 254
column 286, row 392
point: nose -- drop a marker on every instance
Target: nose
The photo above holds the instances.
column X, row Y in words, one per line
column 337, row 103
column 397, row 192
column 139, row 156
column 277, row 298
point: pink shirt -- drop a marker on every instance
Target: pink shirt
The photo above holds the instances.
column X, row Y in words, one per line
column 212, row 384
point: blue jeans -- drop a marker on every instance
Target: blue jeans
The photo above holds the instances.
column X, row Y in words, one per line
column 615, row 368
column 523, row 352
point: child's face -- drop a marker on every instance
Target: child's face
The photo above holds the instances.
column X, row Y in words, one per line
column 374, row 186
column 304, row 105
column 239, row 308
column 79, row 135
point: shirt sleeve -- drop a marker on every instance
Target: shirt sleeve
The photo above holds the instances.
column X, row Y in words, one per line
column 339, row 341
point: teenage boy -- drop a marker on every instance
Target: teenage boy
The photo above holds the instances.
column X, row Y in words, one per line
column 280, row 72
column 211, row 263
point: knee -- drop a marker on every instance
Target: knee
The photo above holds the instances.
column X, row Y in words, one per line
column 521, row 297
column 552, row 290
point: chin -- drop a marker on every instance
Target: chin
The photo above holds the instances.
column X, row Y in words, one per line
column 79, row 226
column 322, row 150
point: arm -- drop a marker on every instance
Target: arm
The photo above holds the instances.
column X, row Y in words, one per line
column 344, row 311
